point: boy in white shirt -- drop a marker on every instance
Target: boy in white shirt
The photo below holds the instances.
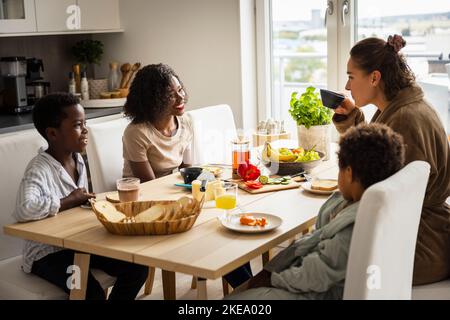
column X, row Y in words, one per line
column 54, row 181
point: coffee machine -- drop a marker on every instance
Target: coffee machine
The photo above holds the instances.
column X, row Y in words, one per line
column 36, row 87
column 13, row 91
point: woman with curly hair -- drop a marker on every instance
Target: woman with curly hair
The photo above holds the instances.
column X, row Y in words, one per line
column 159, row 134
column 378, row 74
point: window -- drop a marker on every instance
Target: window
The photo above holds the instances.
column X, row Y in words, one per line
column 305, row 51
column 299, row 52
column 425, row 25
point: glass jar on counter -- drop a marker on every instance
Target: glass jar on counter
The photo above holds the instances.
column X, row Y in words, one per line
column 113, row 77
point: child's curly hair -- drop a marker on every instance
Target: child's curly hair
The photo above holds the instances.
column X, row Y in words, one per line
column 373, row 151
column 49, row 111
column 150, row 93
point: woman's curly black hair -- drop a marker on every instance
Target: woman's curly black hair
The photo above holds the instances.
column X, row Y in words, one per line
column 150, row 93
column 373, row 151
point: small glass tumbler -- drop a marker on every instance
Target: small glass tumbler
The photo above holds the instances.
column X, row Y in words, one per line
column 128, row 189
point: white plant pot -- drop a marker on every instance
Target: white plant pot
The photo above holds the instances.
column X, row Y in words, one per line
column 318, row 137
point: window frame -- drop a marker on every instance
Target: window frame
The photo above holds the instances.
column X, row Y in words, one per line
column 340, row 39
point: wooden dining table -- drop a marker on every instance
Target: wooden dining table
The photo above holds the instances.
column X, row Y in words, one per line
column 206, row 251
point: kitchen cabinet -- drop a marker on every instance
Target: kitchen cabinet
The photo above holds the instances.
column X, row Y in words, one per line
column 17, row 16
column 99, row 14
column 51, row 15
column 34, row 17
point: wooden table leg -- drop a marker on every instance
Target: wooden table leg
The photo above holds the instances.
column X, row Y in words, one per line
column 78, row 281
column 265, row 257
column 194, row 282
column 149, row 282
column 225, row 287
column 201, row 289
column 169, row 290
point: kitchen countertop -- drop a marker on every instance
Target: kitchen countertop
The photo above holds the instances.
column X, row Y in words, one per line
column 13, row 123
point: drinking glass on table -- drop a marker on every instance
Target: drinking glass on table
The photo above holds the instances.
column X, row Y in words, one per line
column 226, row 197
column 128, row 189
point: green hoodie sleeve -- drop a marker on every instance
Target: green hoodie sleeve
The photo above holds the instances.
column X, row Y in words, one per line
column 293, row 255
column 320, row 269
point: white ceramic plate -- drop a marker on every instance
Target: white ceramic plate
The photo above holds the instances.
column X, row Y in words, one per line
column 86, row 206
column 307, row 186
column 217, row 171
column 273, row 222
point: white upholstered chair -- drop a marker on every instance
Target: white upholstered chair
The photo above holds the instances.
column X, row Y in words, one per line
column 214, row 128
column 16, row 150
column 104, row 153
column 381, row 258
column 105, row 158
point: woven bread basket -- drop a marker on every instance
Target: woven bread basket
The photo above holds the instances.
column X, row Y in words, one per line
column 165, row 226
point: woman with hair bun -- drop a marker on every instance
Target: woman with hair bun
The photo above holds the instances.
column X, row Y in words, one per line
column 378, row 74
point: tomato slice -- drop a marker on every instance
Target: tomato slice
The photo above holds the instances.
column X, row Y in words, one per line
column 262, row 221
column 252, row 184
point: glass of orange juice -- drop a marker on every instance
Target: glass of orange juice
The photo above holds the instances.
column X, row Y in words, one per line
column 226, row 197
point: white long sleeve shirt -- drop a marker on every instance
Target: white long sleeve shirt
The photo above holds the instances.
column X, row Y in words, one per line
column 45, row 182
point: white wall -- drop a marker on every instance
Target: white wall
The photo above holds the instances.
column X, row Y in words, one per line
column 248, row 64
column 199, row 39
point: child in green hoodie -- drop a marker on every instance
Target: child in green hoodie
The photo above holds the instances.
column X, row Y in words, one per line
column 314, row 266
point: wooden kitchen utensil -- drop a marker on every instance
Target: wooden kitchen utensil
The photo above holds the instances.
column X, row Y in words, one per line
column 125, row 69
column 134, row 68
column 77, row 73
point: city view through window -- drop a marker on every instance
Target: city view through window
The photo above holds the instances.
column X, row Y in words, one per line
column 299, row 42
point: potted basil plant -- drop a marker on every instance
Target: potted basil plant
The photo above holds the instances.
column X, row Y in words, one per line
column 313, row 121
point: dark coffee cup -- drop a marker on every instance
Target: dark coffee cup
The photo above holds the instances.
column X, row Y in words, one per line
column 331, row 99
column 190, row 174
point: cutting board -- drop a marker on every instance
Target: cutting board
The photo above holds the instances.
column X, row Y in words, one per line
column 295, row 183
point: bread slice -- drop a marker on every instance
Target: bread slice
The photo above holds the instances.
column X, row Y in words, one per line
column 151, row 214
column 113, row 197
column 109, row 211
column 324, row 185
column 172, row 211
column 187, row 205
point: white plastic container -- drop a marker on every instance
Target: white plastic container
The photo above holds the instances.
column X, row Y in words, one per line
column 84, row 87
